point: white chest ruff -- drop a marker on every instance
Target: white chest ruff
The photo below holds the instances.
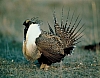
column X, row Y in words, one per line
column 30, row 46
column 32, row 33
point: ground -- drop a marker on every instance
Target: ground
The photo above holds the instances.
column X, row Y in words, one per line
column 81, row 64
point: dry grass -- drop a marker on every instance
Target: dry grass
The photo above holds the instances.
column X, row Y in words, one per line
column 82, row 64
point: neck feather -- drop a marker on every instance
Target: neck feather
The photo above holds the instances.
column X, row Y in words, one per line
column 32, row 33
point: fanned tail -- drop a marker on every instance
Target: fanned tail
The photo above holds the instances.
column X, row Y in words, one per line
column 68, row 33
column 55, row 45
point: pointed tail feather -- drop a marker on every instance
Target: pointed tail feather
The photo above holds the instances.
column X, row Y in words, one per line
column 54, row 17
column 62, row 19
column 67, row 19
column 66, row 32
column 73, row 25
column 75, row 34
column 50, row 29
column 76, row 27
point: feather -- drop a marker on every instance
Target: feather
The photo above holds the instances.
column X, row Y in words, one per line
column 54, row 46
column 62, row 19
column 51, row 30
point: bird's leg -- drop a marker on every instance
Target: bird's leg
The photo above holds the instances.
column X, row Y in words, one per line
column 42, row 66
column 46, row 67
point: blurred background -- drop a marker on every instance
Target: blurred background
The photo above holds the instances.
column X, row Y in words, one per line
column 14, row 12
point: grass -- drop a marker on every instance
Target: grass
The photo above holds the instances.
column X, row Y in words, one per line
column 81, row 64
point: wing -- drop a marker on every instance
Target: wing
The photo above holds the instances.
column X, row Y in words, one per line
column 50, row 46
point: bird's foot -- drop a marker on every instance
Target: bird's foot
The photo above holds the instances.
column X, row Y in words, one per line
column 44, row 66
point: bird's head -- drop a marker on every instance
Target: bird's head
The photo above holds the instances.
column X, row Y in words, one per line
column 33, row 20
column 32, row 26
column 27, row 23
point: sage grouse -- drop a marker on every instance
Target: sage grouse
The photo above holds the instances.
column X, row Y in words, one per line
column 50, row 47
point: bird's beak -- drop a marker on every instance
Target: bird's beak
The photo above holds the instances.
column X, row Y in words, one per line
column 24, row 23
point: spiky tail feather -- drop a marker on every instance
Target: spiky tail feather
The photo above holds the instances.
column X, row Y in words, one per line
column 68, row 34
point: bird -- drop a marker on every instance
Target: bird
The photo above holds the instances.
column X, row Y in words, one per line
column 51, row 46
column 31, row 32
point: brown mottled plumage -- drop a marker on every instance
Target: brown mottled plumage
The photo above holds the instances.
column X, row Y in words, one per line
column 53, row 46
